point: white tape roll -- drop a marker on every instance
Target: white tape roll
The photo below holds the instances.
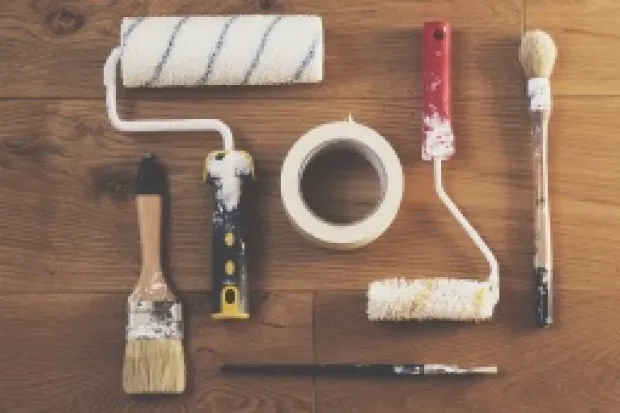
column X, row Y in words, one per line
column 368, row 143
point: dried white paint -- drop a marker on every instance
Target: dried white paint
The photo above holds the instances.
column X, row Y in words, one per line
column 539, row 92
column 438, row 139
column 227, row 174
column 151, row 320
column 401, row 369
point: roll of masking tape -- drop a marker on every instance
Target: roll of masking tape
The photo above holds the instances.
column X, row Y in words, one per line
column 372, row 146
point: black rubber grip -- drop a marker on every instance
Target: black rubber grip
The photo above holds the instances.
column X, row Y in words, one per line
column 230, row 270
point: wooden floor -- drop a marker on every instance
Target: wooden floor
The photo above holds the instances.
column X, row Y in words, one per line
column 69, row 241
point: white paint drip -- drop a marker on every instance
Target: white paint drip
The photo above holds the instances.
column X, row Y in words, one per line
column 438, row 139
column 227, row 173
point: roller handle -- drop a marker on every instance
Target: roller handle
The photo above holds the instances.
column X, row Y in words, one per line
column 436, row 76
column 230, row 276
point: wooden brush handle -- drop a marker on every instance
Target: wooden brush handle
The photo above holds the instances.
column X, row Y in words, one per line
column 543, row 260
column 151, row 285
column 149, row 220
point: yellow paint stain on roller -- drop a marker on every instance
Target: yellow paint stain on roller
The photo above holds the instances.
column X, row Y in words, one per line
column 229, row 268
column 420, row 300
column 479, row 299
column 250, row 162
column 229, row 239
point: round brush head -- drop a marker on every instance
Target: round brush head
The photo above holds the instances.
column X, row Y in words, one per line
column 537, row 54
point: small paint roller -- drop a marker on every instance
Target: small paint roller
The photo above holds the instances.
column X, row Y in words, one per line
column 190, row 51
column 438, row 298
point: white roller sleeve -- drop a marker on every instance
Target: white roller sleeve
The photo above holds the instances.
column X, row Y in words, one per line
column 221, row 50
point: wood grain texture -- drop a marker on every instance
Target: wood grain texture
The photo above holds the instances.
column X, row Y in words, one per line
column 89, row 194
column 70, row 355
column 556, row 370
column 70, row 191
column 69, row 245
column 56, row 48
column 586, row 33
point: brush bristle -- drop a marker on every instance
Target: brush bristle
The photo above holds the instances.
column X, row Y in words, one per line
column 154, row 366
column 537, row 54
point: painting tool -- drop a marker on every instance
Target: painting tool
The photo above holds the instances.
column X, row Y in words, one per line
column 357, row 138
column 438, row 298
column 192, row 51
column 231, row 173
column 154, row 357
column 357, row 370
column 537, row 55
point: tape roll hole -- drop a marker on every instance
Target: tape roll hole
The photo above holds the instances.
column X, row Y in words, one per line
column 342, row 183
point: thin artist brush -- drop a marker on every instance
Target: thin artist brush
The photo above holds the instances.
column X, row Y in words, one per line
column 353, row 369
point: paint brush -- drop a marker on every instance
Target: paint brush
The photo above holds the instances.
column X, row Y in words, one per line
column 537, row 55
column 353, row 370
column 154, row 356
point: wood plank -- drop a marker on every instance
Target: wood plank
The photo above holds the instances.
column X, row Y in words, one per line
column 573, row 366
column 66, row 355
column 57, row 49
column 586, row 33
column 69, row 221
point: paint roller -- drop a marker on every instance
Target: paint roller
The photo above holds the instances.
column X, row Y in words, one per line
column 438, row 298
column 191, row 51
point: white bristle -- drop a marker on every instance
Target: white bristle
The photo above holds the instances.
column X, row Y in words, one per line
column 425, row 299
column 221, row 50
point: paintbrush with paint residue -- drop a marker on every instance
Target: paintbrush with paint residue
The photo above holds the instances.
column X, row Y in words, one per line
column 154, row 356
column 537, row 54
column 358, row 370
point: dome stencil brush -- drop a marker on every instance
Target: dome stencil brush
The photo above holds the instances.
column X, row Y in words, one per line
column 537, row 55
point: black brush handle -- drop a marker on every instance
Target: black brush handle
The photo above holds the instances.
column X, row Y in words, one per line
column 230, row 270
column 374, row 370
column 543, row 296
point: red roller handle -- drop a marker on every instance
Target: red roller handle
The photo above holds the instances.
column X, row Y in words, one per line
column 436, row 62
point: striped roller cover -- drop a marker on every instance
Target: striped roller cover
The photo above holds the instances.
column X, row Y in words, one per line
column 221, row 50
